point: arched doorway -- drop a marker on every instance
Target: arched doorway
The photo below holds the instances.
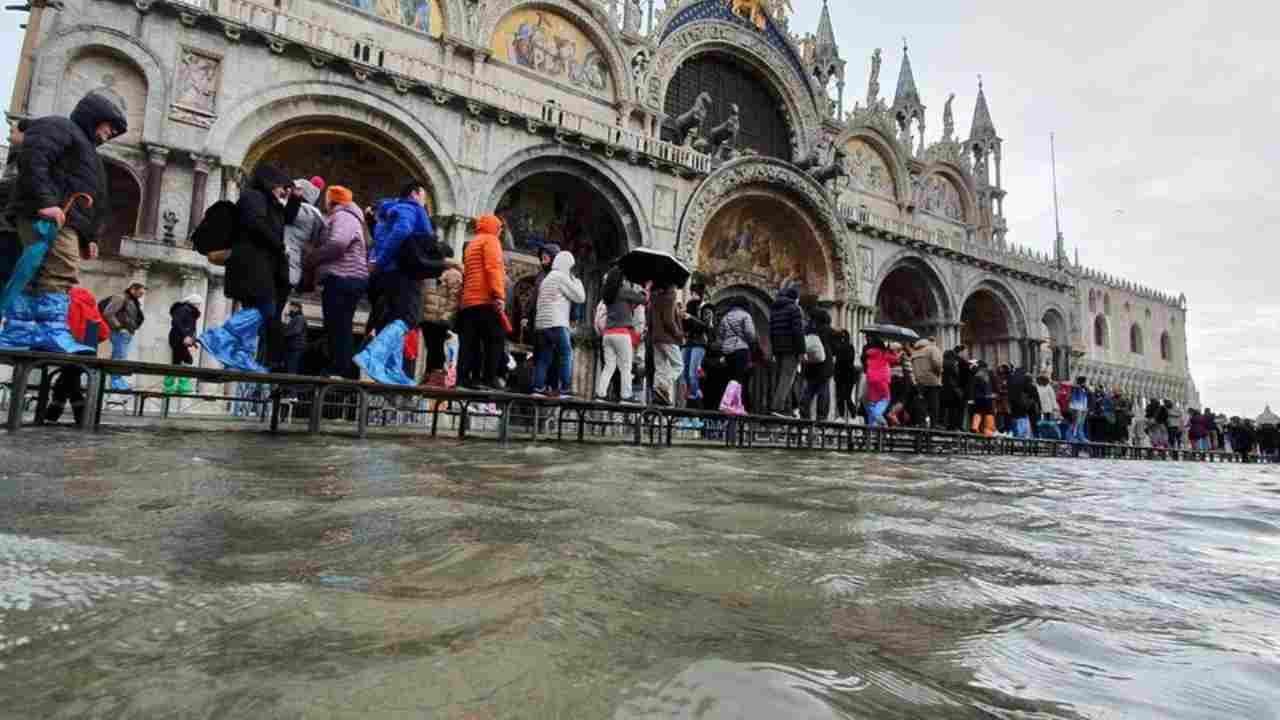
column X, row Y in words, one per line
column 911, row 295
column 373, row 165
column 1055, row 347
column 986, row 328
column 764, row 240
column 124, row 201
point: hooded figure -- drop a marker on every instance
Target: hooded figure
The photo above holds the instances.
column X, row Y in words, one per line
column 786, row 337
column 482, row 319
column 184, row 318
column 257, row 273
column 59, row 159
column 559, row 290
column 305, row 231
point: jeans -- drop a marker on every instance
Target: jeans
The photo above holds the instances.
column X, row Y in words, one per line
column 786, row 370
column 1077, row 427
column 293, row 360
column 482, row 346
column 875, row 412
column 816, row 389
column 1022, row 427
column 618, row 355
column 120, row 342
column 693, row 357
column 554, row 344
column 668, row 366
column 338, row 301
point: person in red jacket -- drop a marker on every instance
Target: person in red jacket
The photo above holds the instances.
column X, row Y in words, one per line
column 88, row 328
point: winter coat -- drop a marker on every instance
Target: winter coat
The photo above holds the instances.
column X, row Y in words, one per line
column 308, row 230
column 926, row 361
column 258, row 268
column 877, row 362
column 668, row 324
column 1198, row 427
column 825, row 370
column 980, row 385
column 183, row 323
column 847, row 370
column 1048, row 400
column 558, row 291
column 396, row 220
column 59, row 157
column 786, row 324
column 1023, row 396
column 440, row 300
column 342, row 251
column 621, row 313
column 737, row 331
column 124, row 312
column 484, row 276
column 697, row 333
column 83, row 313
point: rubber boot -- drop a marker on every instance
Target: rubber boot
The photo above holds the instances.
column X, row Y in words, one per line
column 170, row 385
column 53, row 334
column 383, row 359
column 976, row 425
column 20, row 330
column 989, row 425
column 235, row 344
column 187, row 386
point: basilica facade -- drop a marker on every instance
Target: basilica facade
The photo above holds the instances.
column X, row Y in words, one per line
column 706, row 128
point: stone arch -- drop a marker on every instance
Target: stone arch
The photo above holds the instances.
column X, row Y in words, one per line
column 751, row 49
column 1058, row 357
column 890, row 152
column 959, row 180
column 239, row 127
column 589, row 17
column 125, row 193
column 1137, row 341
column 1101, row 332
column 59, row 50
column 927, row 269
column 749, row 175
column 1166, row 347
column 1012, row 303
column 553, row 157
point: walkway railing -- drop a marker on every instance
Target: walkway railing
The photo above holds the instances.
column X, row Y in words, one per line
column 513, row 417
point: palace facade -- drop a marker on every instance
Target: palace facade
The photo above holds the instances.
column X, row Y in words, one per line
column 706, row 128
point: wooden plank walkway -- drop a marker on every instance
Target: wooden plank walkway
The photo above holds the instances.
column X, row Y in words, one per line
column 523, row 417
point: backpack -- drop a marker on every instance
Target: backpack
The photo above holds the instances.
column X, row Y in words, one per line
column 420, row 257
column 217, row 229
column 814, row 352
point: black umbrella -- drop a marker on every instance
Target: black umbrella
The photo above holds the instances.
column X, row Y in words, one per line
column 891, row 332
column 643, row 265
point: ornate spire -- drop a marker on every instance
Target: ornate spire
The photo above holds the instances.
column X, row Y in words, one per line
column 907, row 93
column 826, row 34
column 982, row 126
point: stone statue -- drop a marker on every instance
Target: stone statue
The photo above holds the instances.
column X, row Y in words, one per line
column 695, row 116
column 948, row 120
column 873, row 87
column 632, row 17
column 640, row 68
column 727, row 131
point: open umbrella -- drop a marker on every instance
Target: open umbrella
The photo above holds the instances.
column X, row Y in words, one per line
column 891, row 332
column 32, row 257
column 643, row 265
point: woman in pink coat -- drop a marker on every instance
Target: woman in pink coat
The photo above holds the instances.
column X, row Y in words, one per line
column 878, row 361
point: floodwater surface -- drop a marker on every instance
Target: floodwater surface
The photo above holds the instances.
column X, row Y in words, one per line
column 150, row 573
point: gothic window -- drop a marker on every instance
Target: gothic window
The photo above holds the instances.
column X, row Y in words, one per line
column 763, row 126
column 1135, row 339
column 1165, row 347
column 1100, row 331
column 1093, row 301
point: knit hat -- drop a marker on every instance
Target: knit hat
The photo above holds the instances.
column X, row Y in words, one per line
column 318, row 182
column 310, row 192
column 338, row 195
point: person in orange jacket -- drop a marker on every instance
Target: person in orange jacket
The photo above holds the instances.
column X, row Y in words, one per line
column 88, row 328
column 482, row 353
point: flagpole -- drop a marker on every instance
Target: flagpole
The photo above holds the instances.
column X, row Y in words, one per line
column 1058, row 250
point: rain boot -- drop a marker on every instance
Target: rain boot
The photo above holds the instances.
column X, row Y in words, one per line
column 20, row 332
column 383, row 359
column 976, row 425
column 989, row 425
column 53, row 334
column 170, row 385
column 236, row 343
column 186, row 386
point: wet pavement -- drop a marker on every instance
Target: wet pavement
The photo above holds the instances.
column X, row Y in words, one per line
column 157, row 573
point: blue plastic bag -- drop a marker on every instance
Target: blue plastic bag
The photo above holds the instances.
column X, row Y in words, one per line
column 29, row 263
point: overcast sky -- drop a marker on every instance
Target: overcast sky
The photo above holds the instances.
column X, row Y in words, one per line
column 1166, row 116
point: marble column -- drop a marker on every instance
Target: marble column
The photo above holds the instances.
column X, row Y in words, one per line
column 157, row 161
column 199, row 185
column 230, row 182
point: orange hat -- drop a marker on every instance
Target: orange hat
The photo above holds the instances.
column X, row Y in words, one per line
column 338, row 195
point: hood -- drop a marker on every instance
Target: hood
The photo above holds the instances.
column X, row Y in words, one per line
column 564, row 261
column 488, row 225
column 310, row 192
column 95, row 108
column 80, row 296
column 551, row 249
column 194, row 299
column 922, row 344
column 267, row 176
column 790, row 292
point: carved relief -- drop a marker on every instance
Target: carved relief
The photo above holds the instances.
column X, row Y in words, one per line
column 195, row 93
column 942, row 197
column 867, row 170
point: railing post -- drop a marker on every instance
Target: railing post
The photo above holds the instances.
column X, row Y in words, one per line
column 18, row 398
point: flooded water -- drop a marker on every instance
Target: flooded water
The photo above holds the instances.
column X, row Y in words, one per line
column 160, row 573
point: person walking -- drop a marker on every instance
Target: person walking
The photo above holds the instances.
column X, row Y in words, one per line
column 484, row 290
column 620, row 338
column 340, row 264
column 668, row 337
column 10, row 244
column 397, row 296
column 982, row 390
column 86, row 325
column 737, row 337
column 295, row 339
column 847, row 372
column 929, row 366
column 1078, row 403
column 124, row 316
column 440, row 302
column 786, row 338
column 257, row 274
column 559, row 290
column 1049, row 415
column 184, row 324
column 877, row 360
column 697, row 338
column 59, row 159
column 819, row 371
column 1023, row 403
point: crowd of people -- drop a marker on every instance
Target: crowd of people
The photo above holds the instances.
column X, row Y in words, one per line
column 287, row 235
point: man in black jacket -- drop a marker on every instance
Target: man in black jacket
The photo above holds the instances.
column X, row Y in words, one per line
column 818, row 375
column 786, row 335
column 10, row 245
column 59, row 158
